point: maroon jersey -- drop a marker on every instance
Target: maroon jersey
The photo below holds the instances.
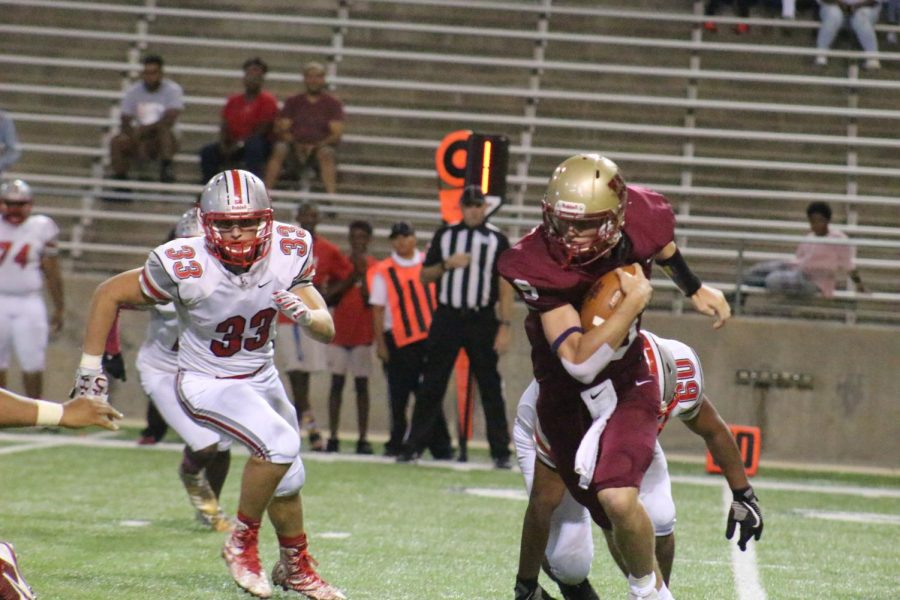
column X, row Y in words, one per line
column 534, row 266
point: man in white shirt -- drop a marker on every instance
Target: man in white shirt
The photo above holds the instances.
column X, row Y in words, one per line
column 150, row 109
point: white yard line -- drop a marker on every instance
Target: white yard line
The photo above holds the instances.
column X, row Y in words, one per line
column 746, row 575
column 812, row 488
column 35, row 441
column 29, row 445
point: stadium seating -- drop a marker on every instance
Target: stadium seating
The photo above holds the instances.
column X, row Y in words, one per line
column 739, row 132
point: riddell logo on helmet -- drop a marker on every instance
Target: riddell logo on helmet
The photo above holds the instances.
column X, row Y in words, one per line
column 569, row 209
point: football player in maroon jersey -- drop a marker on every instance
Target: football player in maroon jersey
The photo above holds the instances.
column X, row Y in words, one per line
column 596, row 408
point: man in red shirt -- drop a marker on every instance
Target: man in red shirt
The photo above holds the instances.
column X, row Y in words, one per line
column 296, row 353
column 309, row 129
column 247, row 120
column 351, row 350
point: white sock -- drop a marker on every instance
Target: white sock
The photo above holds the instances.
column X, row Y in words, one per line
column 642, row 586
column 664, row 593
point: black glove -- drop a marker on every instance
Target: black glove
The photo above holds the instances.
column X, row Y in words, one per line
column 744, row 510
column 114, row 366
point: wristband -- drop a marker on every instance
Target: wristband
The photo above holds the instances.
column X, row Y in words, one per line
column 679, row 271
column 554, row 347
column 91, row 361
column 505, row 322
column 48, row 413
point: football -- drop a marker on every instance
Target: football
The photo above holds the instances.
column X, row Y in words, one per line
column 603, row 298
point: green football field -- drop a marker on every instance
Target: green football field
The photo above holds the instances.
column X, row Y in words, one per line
column 97, row 519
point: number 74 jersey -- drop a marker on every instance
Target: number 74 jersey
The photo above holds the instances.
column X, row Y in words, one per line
column 226, row 321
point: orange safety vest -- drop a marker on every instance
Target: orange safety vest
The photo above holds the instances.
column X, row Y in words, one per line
column 410, row 301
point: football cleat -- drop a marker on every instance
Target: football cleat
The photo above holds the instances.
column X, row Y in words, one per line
column 241, row 554
column 295, row 571
column 12, row 584
column 524, row 591
column 204, row 500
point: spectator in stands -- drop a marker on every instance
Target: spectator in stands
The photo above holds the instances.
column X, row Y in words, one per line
column 9, row 143
column 247, row 120
column 351, row 350
column 297, row 353
column 402, row 306
column 28, row 259
column 308, row 131
column 862, row 15
column 150, row 109
column 741, row 9
column 816, row 267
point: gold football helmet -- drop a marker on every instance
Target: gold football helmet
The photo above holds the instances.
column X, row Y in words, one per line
column 584, row 207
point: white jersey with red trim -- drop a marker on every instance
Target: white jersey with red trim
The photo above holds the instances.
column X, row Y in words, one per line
column 679, row 374
column 226, row 321
column 21, row 249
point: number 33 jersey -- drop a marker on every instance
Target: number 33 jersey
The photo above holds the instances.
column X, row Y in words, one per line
column 227, row 321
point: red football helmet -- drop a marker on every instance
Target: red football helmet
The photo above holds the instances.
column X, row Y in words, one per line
column 239, row 199
column 584, row 207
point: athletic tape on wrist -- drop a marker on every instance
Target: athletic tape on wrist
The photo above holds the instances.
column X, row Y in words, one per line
column 91, row 361
column 48, row 413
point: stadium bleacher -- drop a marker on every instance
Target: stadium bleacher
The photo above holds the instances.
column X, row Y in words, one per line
column 739, row 132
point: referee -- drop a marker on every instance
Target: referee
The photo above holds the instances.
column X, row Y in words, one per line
column 473, row 312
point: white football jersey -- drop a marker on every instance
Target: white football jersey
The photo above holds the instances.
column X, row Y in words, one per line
column 226, row 321
column 160, row 347
column 21, row 249
column 679, row 375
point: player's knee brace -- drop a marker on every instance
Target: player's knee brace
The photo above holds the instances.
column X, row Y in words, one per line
column 293, row 480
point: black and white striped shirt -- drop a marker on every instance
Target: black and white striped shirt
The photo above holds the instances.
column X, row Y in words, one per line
column 474, row 286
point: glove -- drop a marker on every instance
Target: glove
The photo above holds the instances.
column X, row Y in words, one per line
column 90, row 382
column 292, row 307
column 114, row 365
column 744, row 510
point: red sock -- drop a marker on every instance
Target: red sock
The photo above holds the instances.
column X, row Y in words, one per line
column 250, row 523
column 298, row 541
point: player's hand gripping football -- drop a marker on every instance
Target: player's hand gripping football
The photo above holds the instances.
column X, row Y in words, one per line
column 292, row 307
column 90, row 382
column 635, row 286
column 745, row 512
